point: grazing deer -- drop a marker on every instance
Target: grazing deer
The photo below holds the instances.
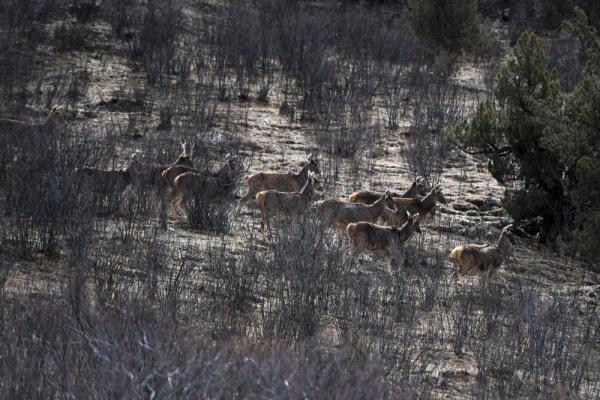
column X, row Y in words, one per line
column 421, row 205
column 371, row 237
column 482, row 258
column 284, row 182
column 211, row 189
column 339, row 213
column 369, row 196
column 293, row 204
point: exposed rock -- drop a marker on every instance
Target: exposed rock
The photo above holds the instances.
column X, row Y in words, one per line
column 462, row 205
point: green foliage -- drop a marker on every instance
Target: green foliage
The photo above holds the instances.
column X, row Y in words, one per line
column 579, row 142
column 511, row 134
column 545, row 142
column 450, row 24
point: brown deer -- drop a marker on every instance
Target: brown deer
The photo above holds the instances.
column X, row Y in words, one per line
column 210, row 189
column 284, row 182
column 371, row 237
column 292, row 204
column 339, row 213
column 482, row 258
column 421, row 205
column 367, row 196
column 169, row 175
column 150, row 175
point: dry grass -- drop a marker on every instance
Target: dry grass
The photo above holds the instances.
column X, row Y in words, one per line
column 99, row 301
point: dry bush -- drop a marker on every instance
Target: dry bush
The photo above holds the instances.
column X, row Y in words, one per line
column 139, row 312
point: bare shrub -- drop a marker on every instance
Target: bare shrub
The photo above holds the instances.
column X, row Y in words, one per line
column 437, row 104
column 304, row 266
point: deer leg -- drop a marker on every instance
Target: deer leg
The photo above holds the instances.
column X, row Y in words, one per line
column 178, row 204
column 263, row 218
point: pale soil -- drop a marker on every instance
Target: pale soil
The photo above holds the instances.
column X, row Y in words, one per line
column 279, row 145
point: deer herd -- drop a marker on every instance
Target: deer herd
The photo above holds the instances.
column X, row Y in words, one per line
column 374, row 221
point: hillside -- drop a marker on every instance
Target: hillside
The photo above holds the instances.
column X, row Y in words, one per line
column 107, row 292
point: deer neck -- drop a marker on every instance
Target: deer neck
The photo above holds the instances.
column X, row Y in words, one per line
column 303, row 174
column 504, row 245
column 405, row 231
column 428, row 202
column 412, row 190
column 377, row 208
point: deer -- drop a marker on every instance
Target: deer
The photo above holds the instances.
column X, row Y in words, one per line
column 371, row 237
column 212, row 189
column 194, row 181
column 284, row 182
column 169, row 175
column 7, row 124
column 482, row 258
column 293, row 204
column 150, row 175
column 422, row 205
column 339, row 214
column 367, row 196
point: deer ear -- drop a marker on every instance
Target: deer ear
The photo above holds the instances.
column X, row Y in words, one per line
column 416, row 217
column 310, row 157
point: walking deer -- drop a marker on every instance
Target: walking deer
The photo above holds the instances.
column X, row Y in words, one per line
column 284, row 182
column 207, row 189
column 482, row 258
column 366, row 196
column 292, row 204
column 339, row 213
column 421, row 205
column 371, row 237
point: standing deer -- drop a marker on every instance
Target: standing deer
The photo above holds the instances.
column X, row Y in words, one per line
column 292, row 204
column 150, row 175
column 169, row 175
column 482, row 258
column 210, row 189
column 421, row 205
column 284, row 182
column 339, row 213
column 369, row 196
column 371, row 237
column 103, row 183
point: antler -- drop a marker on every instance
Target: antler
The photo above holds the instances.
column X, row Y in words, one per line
column 183, row 147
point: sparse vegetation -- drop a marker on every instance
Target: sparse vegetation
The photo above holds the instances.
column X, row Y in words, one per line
column 104, row 293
